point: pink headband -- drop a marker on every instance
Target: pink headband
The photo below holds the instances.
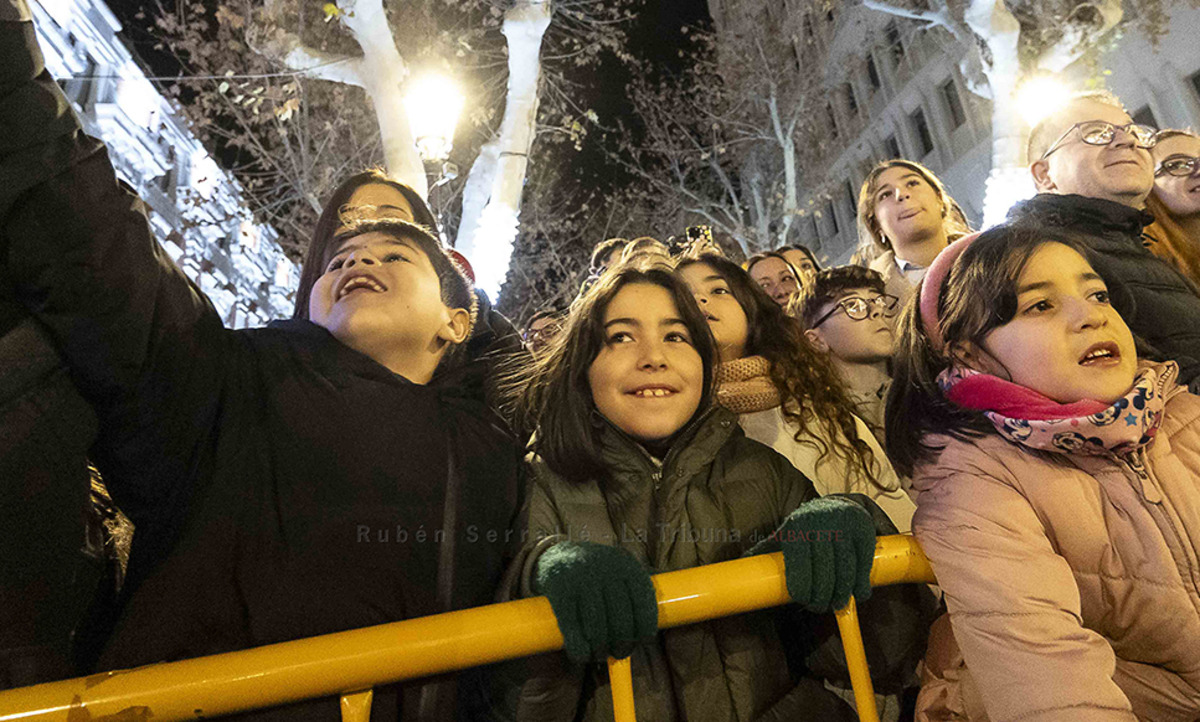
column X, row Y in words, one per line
column 931, row 288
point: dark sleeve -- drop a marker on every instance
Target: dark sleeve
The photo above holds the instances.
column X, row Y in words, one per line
column 143, row 344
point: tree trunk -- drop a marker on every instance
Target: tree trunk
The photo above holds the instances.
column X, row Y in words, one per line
column 1009, row 180
column 487, row 239
column 383, row 74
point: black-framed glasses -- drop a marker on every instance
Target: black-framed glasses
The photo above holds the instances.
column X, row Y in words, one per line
column 1180, row 167
column 1100, row 132
column 859, row 308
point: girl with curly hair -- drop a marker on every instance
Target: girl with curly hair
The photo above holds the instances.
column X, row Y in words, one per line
column 786, row 395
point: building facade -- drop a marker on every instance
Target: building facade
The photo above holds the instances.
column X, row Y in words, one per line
column 896, row 90
column 196, row 209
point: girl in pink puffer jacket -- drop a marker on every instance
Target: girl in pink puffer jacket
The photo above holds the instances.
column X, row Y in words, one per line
column 1058, row 484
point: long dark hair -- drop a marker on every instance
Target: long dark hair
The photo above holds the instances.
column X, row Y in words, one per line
column 978, row 296
column 320, row 247
column 799, row 372
column 552, row 394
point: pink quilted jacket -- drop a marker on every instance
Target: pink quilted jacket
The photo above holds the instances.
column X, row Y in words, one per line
column 1073, row 582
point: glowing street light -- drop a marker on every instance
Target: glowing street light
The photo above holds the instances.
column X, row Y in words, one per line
column 433, row 103
column 1040, row 96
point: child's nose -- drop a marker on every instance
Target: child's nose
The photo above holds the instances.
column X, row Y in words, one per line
column 1089, row 315
column 652, row 355
column 364, row 257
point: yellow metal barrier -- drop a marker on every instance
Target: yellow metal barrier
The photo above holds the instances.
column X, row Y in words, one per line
column 620, row 681
column 351, row 663
column 856, row 662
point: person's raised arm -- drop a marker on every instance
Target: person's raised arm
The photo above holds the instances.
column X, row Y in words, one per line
column 75, row 244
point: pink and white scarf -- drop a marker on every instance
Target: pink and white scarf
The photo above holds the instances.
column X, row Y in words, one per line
column 1026, row 417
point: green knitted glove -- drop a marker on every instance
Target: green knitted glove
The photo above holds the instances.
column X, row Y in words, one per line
column 828, row 548
column 602, row 598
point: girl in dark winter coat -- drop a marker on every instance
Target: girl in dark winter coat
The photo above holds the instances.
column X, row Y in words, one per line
column 304, row 478
column 635, row 472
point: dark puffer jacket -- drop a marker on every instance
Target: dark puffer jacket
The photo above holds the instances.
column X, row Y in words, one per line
column 715, row 493
column 1161, row 307
column 282, row 484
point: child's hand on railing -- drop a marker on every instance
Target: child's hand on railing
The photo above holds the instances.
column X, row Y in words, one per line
column 828, row 547
column 602, row 598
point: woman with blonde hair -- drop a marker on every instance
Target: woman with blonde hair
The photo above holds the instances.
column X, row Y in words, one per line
column 905, row 213
column 1175, row 234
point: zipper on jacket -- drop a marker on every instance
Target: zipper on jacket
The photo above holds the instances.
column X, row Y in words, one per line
column 1136, row 463
column 657, row 478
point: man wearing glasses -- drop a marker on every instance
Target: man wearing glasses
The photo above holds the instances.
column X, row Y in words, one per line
column 847, row 315
column 543, row 327
column 1092, row 168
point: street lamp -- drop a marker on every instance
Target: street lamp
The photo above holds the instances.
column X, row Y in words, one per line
column 1040, row 96
column 433, row 103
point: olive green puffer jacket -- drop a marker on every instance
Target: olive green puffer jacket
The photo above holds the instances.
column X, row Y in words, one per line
column 715, row 494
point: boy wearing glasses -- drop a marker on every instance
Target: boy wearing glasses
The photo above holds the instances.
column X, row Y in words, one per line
column 1092, row 167
column 848, row 316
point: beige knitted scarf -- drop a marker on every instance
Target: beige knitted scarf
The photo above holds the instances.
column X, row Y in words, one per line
column 745, row 385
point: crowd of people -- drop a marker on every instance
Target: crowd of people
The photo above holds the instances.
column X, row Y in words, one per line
column 1019, row 399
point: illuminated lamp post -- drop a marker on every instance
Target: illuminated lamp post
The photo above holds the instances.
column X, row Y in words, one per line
column 1036, row 98
column 433, row 104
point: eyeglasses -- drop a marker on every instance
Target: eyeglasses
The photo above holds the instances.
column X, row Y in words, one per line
column 1099, row 132
column 858, row 308
column 545, row 333
column 1179, row 167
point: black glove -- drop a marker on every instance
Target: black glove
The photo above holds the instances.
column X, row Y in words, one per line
column 828, row 548
column 602, row 598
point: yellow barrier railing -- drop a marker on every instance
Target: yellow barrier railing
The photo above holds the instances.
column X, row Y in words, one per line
column 351, row 663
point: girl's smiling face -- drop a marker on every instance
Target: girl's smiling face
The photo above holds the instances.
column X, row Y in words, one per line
column 1066, row 341
column 776, row 278
column 648, row 378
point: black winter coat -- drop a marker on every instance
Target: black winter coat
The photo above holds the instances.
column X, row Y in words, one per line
column 1161, row 307
column 282, row 484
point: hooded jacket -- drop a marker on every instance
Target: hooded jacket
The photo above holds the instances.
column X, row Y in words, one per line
column 714, row 495
column 1159, row 305
column 1073, row 582
column 282, row 484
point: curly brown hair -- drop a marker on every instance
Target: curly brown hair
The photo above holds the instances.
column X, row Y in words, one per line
column 822, row 414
